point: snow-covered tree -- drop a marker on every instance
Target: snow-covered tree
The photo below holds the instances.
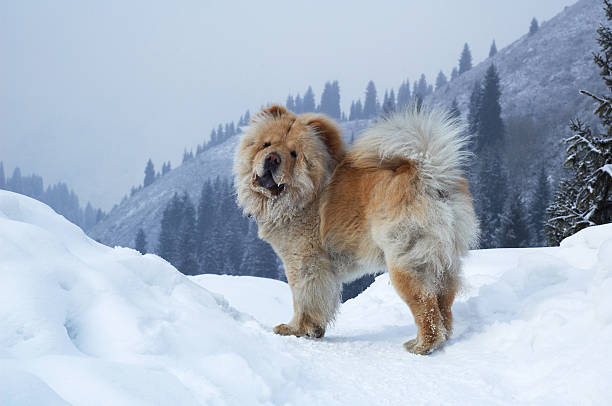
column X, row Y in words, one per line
column 534, row 26
column 585, row 197
column 187, row 247
column 149, row 173
column 441, row 80
column 537, row 212
column 465, row 61
column 388, row 106
column 298, row 104
column 403, row 95
column 370, row 107
column 421, row 88
column 492, row 50
column 330, row 100
column 454, row 74
column 140, row 244
column 290, row 103
column 170, row 227
column 490, row 125
column 514, row 231
column 473, row 117
column 308, row 102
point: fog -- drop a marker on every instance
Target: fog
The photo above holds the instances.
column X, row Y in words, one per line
column 90, row 90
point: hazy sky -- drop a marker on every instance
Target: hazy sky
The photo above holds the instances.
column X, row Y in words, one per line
column 89, row 90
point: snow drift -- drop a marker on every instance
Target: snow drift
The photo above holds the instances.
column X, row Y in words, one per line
column 85, row 324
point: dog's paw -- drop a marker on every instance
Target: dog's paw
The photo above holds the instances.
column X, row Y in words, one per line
column 285, row 330
column 415, row 347
column 315, row 332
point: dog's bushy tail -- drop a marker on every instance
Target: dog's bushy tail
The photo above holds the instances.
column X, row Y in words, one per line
column 431, row 138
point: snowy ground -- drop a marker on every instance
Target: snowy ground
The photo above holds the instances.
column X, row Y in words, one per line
column 84, row 324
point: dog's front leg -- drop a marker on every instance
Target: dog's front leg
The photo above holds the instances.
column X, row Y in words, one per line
column 316, row 296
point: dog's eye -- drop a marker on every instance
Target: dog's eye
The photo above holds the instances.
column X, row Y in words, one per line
column 294, row 154
column 266, row 144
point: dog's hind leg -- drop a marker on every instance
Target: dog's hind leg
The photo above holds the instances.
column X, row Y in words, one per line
column 425, row 309
column 445, row 302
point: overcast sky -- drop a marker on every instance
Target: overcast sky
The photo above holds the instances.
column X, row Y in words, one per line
column 89, row 90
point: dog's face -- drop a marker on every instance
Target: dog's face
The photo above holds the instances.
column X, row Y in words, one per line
column 284, row 160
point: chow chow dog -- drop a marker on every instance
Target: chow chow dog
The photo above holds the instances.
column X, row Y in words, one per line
column 397, row 200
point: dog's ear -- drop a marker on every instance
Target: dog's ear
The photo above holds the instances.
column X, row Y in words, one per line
column 274, row 110
column 329, row 132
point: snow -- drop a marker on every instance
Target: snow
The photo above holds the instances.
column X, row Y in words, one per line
column 85, row 324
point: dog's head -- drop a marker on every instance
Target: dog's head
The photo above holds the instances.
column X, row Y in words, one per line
column 284, row 160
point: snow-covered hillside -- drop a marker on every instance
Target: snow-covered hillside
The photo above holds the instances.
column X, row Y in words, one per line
column 84, row 324
column 541, row 75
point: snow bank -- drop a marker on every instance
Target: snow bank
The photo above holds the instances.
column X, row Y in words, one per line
column 84, row 324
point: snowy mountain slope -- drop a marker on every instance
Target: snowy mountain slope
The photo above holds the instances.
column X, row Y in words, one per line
column 541, row 74
column 84, row 324
column 144, row 209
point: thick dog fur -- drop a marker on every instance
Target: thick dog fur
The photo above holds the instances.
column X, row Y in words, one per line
column 398, row 200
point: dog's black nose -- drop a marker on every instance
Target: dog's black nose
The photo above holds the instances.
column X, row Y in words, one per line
column 272, row 162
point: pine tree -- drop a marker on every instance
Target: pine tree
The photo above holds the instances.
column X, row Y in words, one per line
column 205, row 221
column 290, row 104
column 15, row 183
column 170, row 226
column 89, row 217
column 370, row 107
column 465, row 61
column 358, row 110
column 514, row 229
column 220, row 134
column 166, row 167
column 441, row 80
column 391, row 101
column 491, row 195
column 149, row 173
column 385, row 104
column 298, row 104
column 352, row 115
column 308, row 102
column 2, row 177
column 493, row 50
column 454, row 74
column 534, row 26
column 537, row 212
column 330, row 100
column 585, row 197
column 187, row 249
column 403, row 96
column 473, row 117
column 490, row 124
column 421, row 89
column 140, row 244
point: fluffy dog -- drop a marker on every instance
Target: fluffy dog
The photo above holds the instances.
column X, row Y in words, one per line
column 398, row 200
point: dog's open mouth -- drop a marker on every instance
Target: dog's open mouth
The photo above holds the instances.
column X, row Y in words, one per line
column 267, row 181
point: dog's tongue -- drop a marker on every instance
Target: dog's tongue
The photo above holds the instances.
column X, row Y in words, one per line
column 267, row 180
